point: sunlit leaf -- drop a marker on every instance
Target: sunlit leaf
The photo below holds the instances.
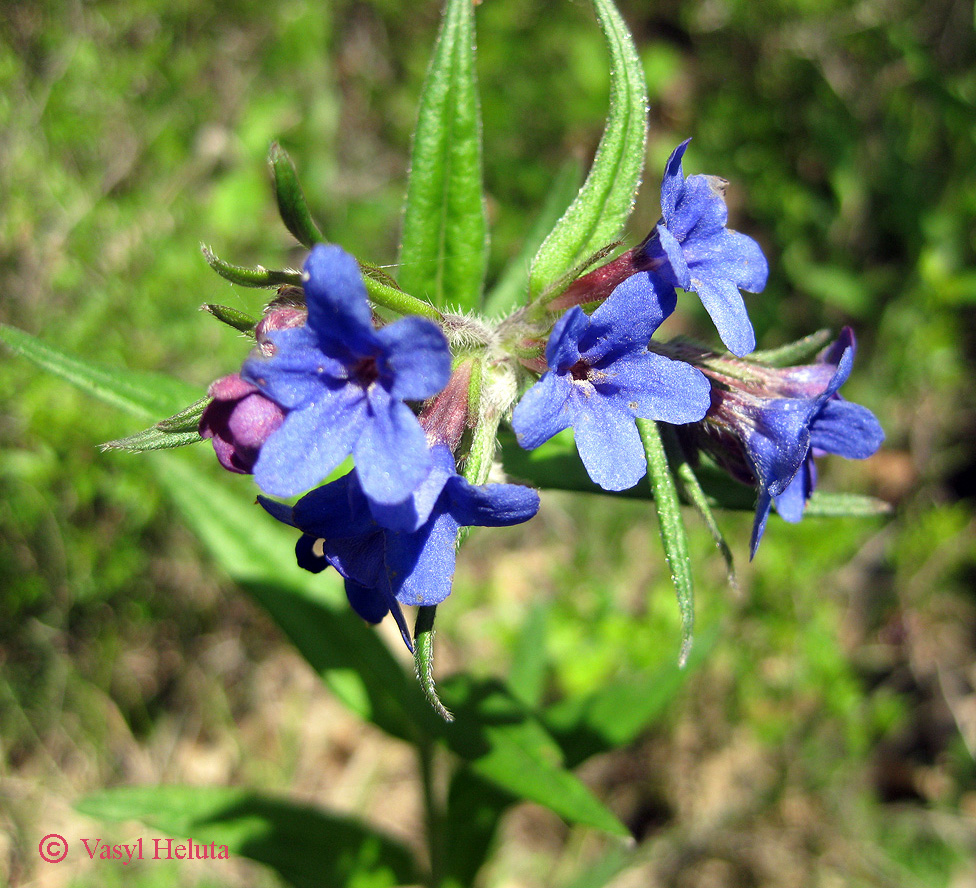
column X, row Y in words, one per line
column 597, row 216
column 445, row 237
column 307, row 847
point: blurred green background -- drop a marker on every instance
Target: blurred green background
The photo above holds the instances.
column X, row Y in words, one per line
column 829, row 736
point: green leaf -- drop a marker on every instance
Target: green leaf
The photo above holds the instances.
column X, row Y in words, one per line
column 508, row 747
column 307, row 847
column 824, row 504
column 606, row 868
column 474, row 809
column 673, row 534
column 291, row 200
column 311, row 610
column 512, row 288
column 175, row 431
column 259, row 276
column 601, row 208
column 444, row 249
column 232, row 317
column 527, row 677
column 145, row 395
column 618, row 712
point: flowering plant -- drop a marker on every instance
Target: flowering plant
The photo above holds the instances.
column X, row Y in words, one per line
column 402, row 410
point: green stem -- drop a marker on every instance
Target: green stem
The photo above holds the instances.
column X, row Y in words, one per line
column 433, row 819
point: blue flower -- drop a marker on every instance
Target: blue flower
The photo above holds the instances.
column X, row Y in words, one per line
column 383, row 568
column 784, row 434
column 344, row 384
column 601, row 377
column 691, row 248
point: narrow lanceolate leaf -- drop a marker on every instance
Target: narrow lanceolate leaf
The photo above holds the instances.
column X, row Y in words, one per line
column 291, row 200
column 259, row 276
column 504, row 744
column 312, row 611
column 601, row 208
column 672, row 529
column 307, row 847
column 444, row 248
column 146, row 395
column 174, row 431
column 824, row 504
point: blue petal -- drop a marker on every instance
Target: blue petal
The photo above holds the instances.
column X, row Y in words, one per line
column 337, row 308
column 700, row 211
column 415, row 511
column 653, row 386
column 336, row 510
column 544, row 411
column 491, row 505
column 628, row 318
column 310, row 444
column 608, row 443
column 298, row 373
column 309, row 556
column 676, row 269
column 759, row 523
column 369, row 603
column 779, row 443
column 724, row 304
column 673, row 182
column 281, row 511
column 391, row 454
column 791, row 502
column 846, row 429
column 731, row 255
column 417, row 355
column 420, row 565
column 562, row 349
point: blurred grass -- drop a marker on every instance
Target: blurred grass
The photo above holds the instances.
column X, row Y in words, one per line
column 830, row 735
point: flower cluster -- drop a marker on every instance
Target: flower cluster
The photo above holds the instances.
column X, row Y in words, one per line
column 414, row 400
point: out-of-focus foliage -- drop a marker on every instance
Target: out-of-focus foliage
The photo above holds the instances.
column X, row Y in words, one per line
column 840, row 682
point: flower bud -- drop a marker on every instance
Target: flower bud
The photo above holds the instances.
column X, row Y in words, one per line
column 239, row 420
column 283, row 317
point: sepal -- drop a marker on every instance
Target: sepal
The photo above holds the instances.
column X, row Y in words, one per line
column 239, row 320
column 259, row 276
column 177, row 430
column 291, row 200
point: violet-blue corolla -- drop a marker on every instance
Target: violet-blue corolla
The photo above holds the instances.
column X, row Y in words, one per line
column 767, row 424
column 344, row 384
column 691, row 248
column 601, row 377
column 383, row 568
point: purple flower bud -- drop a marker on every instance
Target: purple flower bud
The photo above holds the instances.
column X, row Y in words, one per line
column 283, row 318
column 239, row 420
